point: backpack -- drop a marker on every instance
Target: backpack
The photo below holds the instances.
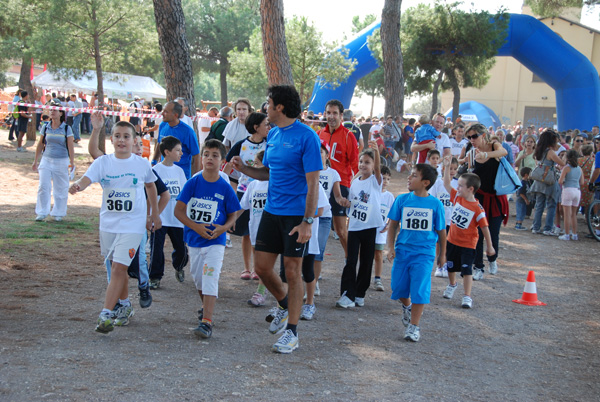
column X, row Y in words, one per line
column 16, row 113
column 213, row 130
column 44, row 135
column 507, row 181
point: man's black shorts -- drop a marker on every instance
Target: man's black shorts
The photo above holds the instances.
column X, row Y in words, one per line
column 273, row 235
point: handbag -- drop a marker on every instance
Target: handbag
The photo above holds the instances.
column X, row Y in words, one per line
column 544, row 174
column 507, row 181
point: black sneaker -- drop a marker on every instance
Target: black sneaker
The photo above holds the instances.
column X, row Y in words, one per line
column 180, row 275
column 204, row 330
column 145, row 297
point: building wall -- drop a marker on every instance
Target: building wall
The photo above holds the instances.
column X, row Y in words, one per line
column 511, row 89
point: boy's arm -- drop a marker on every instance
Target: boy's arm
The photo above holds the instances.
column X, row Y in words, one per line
column 80, row 185
column 391, row 239
column 181, row 215
column 261, row 173
column 442, row 244
column 163, row 201
column 489, row 248
column 155, row 221
column 97, row 120
column 447, row 178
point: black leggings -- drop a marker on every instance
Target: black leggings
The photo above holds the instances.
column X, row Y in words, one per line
column 308, row 268
column 363, row 242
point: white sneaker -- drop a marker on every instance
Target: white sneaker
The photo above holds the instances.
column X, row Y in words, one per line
column 477, row 274
column 335, row 235
column 574, row 237
column 308, row 311
column 444, row 271
column 58, row 219
column 378, row 285
column 449, row 292
column 439, row 272
column 40, row 218
column 493, row 268
column 228, row 243
column 467, row 302
column 564, row 237
column 412, row 333
column 279, row 322
column 359, row 301
column 287, row 343
column 406, row 313
column 344, row 302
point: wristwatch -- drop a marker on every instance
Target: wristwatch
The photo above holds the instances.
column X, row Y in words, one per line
column 308, row 220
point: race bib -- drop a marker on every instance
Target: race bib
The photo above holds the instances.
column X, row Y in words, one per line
column 202, row 211
column 119, row 199
column 445, row 199
column 174, row 187
column 259, row 199
column 360, row 211
column 384, row 212
column 420, row 219
column 461, row 216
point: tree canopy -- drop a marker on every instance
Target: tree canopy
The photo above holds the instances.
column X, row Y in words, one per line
column 552, row 8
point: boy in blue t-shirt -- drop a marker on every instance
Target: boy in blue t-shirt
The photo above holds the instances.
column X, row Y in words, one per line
column 423, row 225
column 207, row 206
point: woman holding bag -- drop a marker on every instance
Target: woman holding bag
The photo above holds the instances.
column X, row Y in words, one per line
column 545, row 186
column 486, row 164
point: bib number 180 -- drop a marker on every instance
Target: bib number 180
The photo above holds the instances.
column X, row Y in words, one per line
column 417, row 224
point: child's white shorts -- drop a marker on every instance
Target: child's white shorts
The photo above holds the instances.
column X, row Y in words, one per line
column 120, row 247
column 570, row 196
column 205, row 266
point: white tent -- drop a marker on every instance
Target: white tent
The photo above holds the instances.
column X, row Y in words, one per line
column 123, row 86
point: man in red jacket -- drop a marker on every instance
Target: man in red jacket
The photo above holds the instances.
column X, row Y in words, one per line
column 343, row 158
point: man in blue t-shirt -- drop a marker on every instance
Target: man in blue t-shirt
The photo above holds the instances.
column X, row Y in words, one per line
column 171, row 125
column 292, row 163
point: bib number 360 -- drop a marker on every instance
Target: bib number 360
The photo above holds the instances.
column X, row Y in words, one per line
column 119, row 200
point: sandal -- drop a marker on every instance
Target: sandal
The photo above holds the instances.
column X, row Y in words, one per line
column 246, row 275
column 254, row 276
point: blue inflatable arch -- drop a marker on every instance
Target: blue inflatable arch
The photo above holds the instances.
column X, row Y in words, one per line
column 533, row 44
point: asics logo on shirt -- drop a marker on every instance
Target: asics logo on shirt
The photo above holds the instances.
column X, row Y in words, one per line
column 200, row 204
column 423, row 214
column 118, row 194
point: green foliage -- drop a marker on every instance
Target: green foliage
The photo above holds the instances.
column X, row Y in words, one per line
column 206, row 86
column 423, row 106
column 358, row 25
column 459, row 44
column 310, row 58
column 553, row 8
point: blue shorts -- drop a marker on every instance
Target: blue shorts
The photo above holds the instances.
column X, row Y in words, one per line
column 411, row 276
column 324, row 229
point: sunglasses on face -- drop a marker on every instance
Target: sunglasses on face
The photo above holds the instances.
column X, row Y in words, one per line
column 578, row 140
column 472, row 137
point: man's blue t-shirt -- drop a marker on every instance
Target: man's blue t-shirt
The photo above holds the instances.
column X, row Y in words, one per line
column 189, row 143
column 291, row 152
column 207, row 203
column 597, row 166
column 420, row 218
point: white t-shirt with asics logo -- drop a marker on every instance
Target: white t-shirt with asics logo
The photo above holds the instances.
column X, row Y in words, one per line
column 365, row 203
column 174, row 179
column 123, row 200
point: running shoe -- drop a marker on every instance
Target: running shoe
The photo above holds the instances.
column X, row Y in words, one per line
column 287, row 343
column 536, row 231
column 467, row 302
column 203, row 330
column 145, row 297
column 359, row 301
column 279, row 321
column 477, row 274
column 58, row 219
column 564, row 237
column 519, row 226
column 154, row 284
column 552, row 232
column 412, row 333
column 180, row 275
column 449, row 292
column 105, row 324
column 378, row 284
column 308, row 311
column 574, row 237
column 228, row 243
column 40, row 218
column 493, row 267
column 445, row 271
column 344, row 302
column 272, row 313
column 257, row 300
column 123, row 315
column 406, row 313
column 115, row 310
column 438, row 272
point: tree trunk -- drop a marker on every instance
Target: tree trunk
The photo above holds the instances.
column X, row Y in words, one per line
column 100, row 85
column 174, row 49
column 25, row 83
column 223, row 67
column 436, row 89
column 372, row 105
column 392, row 58
column 455, row 99
column 277, row 59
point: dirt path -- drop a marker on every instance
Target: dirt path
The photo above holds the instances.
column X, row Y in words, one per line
column 52, row 285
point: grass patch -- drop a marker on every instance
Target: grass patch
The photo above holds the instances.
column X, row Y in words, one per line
column 18, row 233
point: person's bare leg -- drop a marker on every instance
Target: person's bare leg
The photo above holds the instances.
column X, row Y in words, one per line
column 452, row 278
column 264, row 263
column 20, row 139
column 567, row 220
column 208, row 306
column 115, row 286
column 247, row 251
column 293, row 275
column 417, row 311
column 573, row 219
column 340, row 224
column 467, row 284
column 378, row 262
column 310, row 291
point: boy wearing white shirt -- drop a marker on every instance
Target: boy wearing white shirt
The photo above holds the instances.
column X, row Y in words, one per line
column 123, row 217
column 174, row 178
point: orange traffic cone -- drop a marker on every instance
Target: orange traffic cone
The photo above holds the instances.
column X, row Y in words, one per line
column 529, row 297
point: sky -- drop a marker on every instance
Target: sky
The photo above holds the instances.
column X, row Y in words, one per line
column 334, row 19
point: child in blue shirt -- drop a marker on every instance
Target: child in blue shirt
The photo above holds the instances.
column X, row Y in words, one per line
column 423, row 225
column 425, row 134
column 207, row 206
